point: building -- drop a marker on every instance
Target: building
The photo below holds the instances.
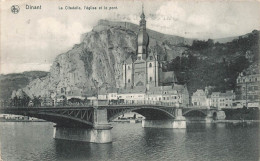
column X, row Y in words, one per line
column 177, row 94
column 200, row 99
column 223, row 100
column 145, row 69
column 214, row 99
column 247, row 90
column 226, row 99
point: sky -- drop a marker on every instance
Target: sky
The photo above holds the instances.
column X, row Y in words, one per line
column 31, row 39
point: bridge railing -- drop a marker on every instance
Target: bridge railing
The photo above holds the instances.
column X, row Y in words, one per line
column 145, row 102
column 102, row 103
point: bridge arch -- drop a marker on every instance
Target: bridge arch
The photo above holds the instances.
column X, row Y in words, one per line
column 151, row 113
column 195, row 112
column 64, row 120
column 69, row 117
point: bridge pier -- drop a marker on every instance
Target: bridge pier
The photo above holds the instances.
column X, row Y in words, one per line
column 99, row 133
column 215, row 115
column 178, row 123
column 208, row 119
column 80, row 134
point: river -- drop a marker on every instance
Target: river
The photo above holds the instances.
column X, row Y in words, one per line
column 22, row 141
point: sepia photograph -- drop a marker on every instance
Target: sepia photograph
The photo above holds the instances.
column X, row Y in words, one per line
column 131, row 80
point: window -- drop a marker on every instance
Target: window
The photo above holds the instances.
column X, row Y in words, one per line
column 151, row 58
column 150, row 65
column 129, row 67
column 151, row 79
column 129, row 80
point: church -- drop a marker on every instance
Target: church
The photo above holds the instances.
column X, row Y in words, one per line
column 145, row 69
column 144, row 78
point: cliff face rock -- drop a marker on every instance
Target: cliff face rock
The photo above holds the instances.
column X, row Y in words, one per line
column 98, row 58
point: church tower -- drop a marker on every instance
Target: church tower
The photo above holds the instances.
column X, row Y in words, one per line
column 143, row 38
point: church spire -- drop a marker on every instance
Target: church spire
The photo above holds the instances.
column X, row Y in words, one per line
column 142, row 21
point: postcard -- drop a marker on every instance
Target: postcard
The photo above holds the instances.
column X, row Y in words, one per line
column 129, row 80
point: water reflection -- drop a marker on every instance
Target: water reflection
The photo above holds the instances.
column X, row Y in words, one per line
column 74, row 150
column 220, row 141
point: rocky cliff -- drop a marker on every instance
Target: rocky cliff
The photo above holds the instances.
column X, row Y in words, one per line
column 99, row 58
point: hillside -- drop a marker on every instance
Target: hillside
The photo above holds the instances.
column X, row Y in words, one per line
column 10, row 82
column 214, row 64
column 101, row 53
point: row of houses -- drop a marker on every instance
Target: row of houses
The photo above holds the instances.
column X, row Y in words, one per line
column 246, row 92
column 176, row 94
column 216, row 99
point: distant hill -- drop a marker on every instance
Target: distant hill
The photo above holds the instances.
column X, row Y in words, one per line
column 15, row 81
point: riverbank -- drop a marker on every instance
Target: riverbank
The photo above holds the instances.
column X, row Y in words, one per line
column 21, row 120
column 242, row 114
column 235, row 121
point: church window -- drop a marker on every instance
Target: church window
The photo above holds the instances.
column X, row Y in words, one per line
column 129, row 80
column 150, row 65
column 151, row 79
